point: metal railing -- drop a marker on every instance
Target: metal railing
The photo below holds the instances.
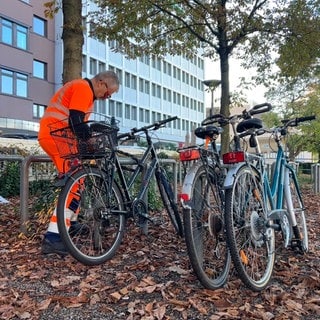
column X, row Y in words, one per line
column 315, row 172
column 25, row 163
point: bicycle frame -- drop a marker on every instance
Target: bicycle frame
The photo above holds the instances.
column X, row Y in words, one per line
column 276, row 188
column 126, row 184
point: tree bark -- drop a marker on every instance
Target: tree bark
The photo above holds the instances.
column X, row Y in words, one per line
column 73, row 39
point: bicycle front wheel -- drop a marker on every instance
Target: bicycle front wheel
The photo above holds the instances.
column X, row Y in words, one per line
column 168, row 199
column 251, row 242
column 294, row 202
column 205, row 232
column 97, row 226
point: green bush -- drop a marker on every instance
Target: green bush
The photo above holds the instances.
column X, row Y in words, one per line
column 10, row 180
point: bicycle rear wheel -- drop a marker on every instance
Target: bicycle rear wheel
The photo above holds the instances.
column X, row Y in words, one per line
column 251, row 243
column 300, row 232
column 168, row 199
column 96, row 235
column 205, row 232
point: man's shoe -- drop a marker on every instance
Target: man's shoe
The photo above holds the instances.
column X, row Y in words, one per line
column 57, row 247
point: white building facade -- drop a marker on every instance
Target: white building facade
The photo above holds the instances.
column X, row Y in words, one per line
column 151, row 88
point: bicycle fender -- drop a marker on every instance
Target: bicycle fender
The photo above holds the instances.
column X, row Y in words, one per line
column 186, row 190
column 231, row 173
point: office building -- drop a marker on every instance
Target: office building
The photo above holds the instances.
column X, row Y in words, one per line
column 31, row 68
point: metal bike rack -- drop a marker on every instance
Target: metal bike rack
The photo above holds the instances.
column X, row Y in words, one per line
column 316, row 177
column 25, row 163
column 24, row 187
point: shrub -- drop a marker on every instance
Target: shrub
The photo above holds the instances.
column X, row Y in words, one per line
column 10, row 179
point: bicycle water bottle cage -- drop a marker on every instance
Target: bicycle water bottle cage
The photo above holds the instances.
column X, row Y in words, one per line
column 247, row 124
column 207, row 131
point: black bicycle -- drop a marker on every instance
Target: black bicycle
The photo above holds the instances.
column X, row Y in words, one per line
column 97, row 197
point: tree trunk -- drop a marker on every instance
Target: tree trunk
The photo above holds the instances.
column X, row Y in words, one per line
column 73, row 39
column 224, row 51
column 225, row 100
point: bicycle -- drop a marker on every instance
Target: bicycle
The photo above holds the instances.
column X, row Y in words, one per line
column 202, row 207
column 101, row 192
column 203, row 199
column 257, row 206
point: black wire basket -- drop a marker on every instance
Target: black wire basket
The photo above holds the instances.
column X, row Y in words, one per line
column 103, row 137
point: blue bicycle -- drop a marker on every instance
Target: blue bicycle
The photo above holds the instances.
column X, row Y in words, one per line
column 256, row 206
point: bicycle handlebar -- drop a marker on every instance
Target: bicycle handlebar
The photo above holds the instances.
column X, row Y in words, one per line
column 245, row 114
column 259, row 108
column 154, row 126
column 294, row 122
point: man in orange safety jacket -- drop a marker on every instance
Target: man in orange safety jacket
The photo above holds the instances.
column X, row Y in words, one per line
column 70, row 104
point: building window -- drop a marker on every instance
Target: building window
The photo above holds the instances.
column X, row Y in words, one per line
column 22, row 34
column 112, row 111
column 6, row 31
column 153, row 89
column 117, row 71
column 93, row 66
column 127, row 111
column 13, row 83
column 154, row 118
column 39, row 26
column 133, row 113
column 141, row 114
column 147, row 87
column 39, row 69
column 158, row 94
column 164, row 93
column 38, row 110
column 101, row 66
column 127, row 79
column 145, row 59
column 119, row 109
column 144, row 85
column 13, row 34
column 147, row 116
column 101, row 106
column 133, row 82
column 141, row 85
column 130, row 81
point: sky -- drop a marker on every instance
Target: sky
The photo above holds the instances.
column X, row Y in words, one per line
column 212, row 71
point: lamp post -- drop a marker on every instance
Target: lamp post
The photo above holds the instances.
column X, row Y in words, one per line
column 212, row 85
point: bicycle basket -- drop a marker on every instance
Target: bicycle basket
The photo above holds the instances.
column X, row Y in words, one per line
column 103, row 133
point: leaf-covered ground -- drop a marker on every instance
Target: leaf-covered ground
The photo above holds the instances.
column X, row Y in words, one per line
column 149, row 278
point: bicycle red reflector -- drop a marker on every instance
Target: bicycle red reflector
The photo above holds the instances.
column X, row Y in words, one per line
column 184, row 196
column 189, row 154
column 233, row 157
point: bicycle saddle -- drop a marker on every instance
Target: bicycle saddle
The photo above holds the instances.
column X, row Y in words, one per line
column 247, row 124
column 207, row 131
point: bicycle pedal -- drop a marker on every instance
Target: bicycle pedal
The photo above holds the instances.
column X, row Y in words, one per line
column 156, row 221
column 296, row 245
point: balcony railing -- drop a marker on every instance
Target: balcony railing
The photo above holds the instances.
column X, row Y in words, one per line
column 19, row 124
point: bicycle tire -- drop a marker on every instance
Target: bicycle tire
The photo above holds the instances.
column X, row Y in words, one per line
column 168, row 199
column 204, row 230
column 300, row 233
column 251, row 243
column 101, row 231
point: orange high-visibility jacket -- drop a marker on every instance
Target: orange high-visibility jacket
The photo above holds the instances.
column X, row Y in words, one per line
column 76, row 95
